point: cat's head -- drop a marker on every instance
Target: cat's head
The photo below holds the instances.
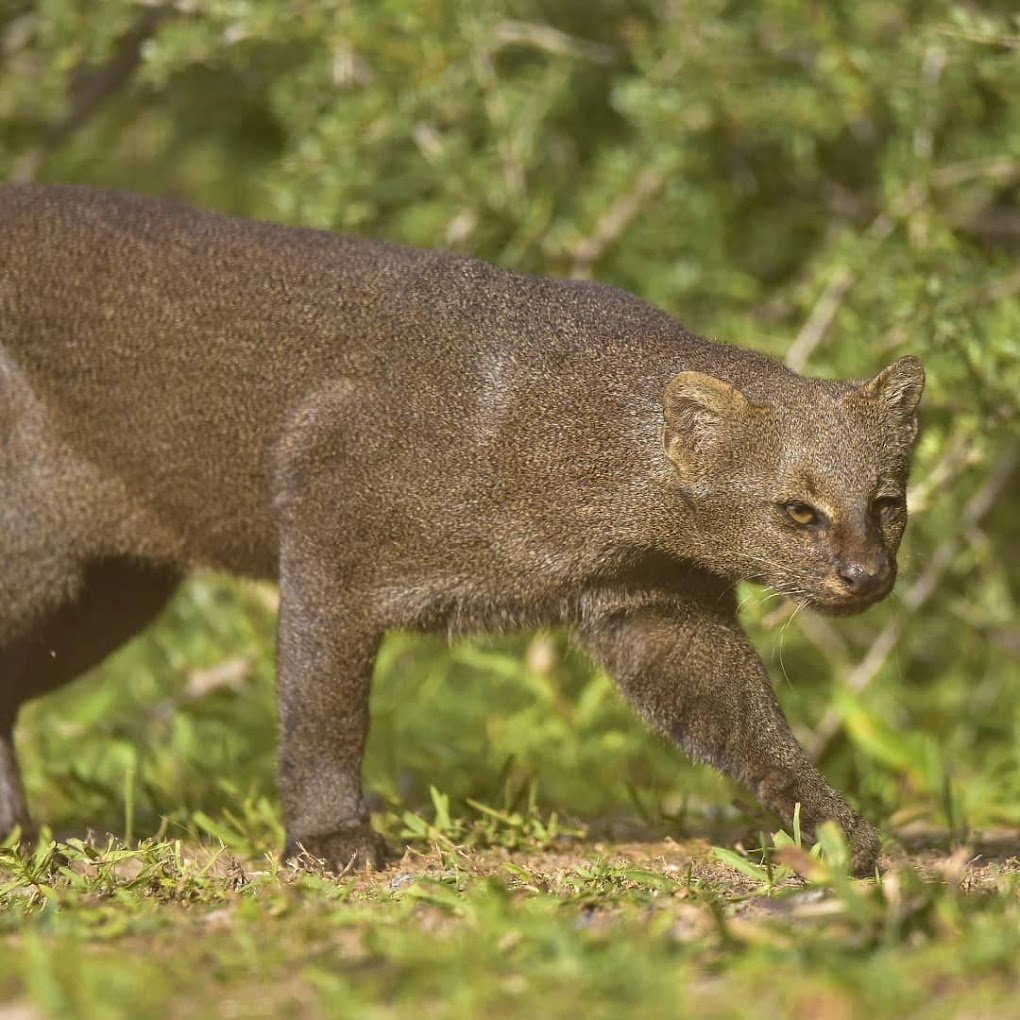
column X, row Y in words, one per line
column 806, row 492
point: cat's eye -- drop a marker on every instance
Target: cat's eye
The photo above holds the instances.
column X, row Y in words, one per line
column 886, row 508
column 801, row 513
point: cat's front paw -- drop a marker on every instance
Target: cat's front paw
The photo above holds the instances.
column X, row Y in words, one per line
column 358, row 848
column 865, row 846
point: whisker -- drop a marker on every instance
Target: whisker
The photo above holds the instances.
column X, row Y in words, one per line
column 801, row 604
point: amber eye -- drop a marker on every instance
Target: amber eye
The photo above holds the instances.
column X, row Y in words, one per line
column 801, row 513
column 887, row 507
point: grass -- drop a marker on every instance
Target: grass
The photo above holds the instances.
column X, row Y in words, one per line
column 561, row 861
column 172, row 928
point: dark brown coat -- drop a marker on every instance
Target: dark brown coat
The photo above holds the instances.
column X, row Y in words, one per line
column 406, row 438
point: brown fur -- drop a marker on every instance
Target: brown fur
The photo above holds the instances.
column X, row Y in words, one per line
column 409, row 439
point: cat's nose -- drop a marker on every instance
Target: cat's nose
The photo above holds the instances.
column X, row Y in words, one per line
column 863, row 578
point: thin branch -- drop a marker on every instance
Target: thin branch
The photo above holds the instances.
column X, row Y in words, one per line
column 983, row 38
column 615, row 221
column 514, row 172
column 996, row 290
column 823, row 314
column 825, row 637
column 818, row 323
column 552, row 40
column 958, row 456
column 90, row 88
column 861, row 676
column 1001, row 169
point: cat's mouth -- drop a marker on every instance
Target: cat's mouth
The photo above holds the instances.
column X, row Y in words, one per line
column 834, row 594
column 848, row 603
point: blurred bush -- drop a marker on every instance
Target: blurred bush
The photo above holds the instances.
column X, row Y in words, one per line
column 835, row 184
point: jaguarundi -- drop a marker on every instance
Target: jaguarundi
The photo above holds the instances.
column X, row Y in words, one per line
column 406, row 438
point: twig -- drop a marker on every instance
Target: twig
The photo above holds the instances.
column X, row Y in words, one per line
column 823, row 314
column 813, row 332
column 90, row 88
column 552, row 40
column 615, row 221
column 918, row 594
column 824, row 636
column 1002, row 169
column 952, row 464
column 514, row 173
column 996, row 290
column 984, row 38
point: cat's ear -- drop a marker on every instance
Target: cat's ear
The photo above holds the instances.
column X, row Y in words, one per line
column 898, row 390
column 701, row 413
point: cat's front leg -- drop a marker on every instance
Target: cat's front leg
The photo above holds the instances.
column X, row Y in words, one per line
column 693, row 675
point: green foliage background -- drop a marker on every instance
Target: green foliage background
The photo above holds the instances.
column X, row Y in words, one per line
column 833, row 183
